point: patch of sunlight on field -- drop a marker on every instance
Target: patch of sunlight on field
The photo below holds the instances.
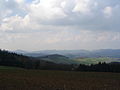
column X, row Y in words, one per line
column 96, row 60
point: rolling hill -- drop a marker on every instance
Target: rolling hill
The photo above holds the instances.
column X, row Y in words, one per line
column 76, row 56
column 112, row 53
column 56, row 58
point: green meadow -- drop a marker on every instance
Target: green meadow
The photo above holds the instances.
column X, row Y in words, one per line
column 88, row 61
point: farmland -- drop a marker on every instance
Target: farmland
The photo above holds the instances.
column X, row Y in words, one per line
column 22, row 79
column 88, row 61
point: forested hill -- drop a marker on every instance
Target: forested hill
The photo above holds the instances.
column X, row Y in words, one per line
column 12, row 59
column 16, row 60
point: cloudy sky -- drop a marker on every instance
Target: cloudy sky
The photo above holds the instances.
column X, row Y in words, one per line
column 59, row 24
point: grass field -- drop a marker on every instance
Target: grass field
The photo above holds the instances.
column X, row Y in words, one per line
column 20, row 79
column 96, row 60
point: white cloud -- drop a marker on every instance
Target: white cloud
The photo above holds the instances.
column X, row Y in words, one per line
column 20, row 1
column 82, row 6
column 46, row 10
column 5, row 27
column 107, row 11
column 61, row 24
column 85, row 14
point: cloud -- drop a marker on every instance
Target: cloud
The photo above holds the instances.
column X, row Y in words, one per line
column 61, row 24
column 82, row 6
column 82, row 14
column 107, row 11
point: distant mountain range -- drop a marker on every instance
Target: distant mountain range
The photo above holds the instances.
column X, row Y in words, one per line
column 74, row 56
column 112, row 53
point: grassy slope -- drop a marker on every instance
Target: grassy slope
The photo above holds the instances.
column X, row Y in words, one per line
column 82, row 60
column 95, row 60
column 9, row 68
column 58, row 59
column 19, row 79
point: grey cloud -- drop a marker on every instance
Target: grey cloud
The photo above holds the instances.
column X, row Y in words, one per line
column 77, row 30
column 10, row 8
column 94, row 21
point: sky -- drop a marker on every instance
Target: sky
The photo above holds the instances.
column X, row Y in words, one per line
column 59, row 24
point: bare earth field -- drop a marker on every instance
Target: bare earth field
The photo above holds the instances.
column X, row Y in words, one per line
column 20, row 79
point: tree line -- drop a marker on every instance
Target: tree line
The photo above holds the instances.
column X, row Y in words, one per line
column 100, row 67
